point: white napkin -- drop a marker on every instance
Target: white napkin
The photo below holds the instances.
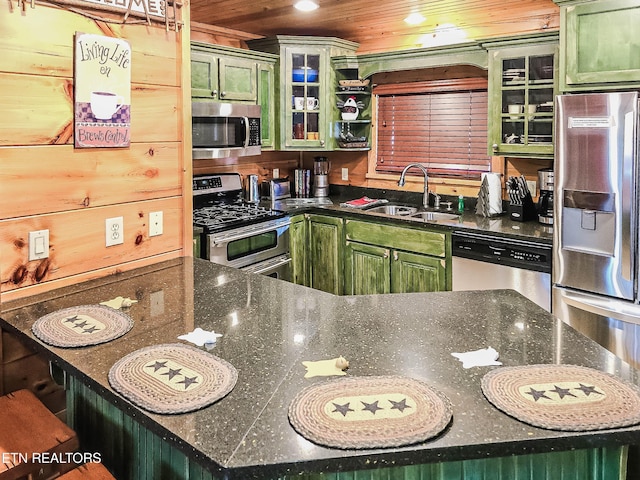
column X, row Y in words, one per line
column 200, row 337
column 478, row 358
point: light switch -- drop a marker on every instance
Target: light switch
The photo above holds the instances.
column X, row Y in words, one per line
column 38, row 244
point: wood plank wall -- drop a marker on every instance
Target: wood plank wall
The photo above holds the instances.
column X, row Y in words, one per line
column 47, row 184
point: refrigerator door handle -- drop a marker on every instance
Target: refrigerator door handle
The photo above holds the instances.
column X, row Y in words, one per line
column 603, row 306
column 628, row 210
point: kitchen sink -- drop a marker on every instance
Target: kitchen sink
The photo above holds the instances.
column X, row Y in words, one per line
column 434, row 216
column 393, row 210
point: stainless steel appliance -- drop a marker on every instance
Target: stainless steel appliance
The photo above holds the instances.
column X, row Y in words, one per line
column 545, row 200
column 489, row 262
column 596, row 219
column 222, row 130
column 321, row 167
column 236, row 233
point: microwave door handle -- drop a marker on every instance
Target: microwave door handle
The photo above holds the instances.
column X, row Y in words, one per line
column 246, row 132
column 242, row 235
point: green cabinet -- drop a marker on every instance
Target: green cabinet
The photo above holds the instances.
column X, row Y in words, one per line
column 226, row 74
column 383, row 258
column 220, row 78
column 298, row 249
column 352, row 131
column 522, row 88
column 325, row 253
column 600, row 45
column 306, row 80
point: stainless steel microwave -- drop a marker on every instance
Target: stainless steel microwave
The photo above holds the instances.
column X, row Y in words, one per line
column 222, row 130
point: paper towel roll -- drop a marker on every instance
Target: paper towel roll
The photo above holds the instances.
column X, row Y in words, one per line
column 492, row 180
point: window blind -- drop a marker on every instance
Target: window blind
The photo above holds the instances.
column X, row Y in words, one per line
column 445, row 131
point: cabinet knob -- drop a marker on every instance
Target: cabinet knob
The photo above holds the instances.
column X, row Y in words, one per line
column 322, row 143
column 214, row 93
column 386, row 254
column 223, row 94
column 395, row 256
column 495, row 147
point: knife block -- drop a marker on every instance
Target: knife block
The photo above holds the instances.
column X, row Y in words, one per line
column 524, row 211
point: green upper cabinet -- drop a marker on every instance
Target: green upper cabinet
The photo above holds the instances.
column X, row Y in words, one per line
column 522, row 88
column 306, row 83
column 351, row 129
column 227, row 74
column 204, row 75
column 266, row 100
column 600, row 44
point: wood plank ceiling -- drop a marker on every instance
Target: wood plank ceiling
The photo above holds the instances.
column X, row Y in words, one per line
column 379, row 25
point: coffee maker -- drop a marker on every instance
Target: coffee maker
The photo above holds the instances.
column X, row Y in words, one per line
column 545, row 202
column 321, row 167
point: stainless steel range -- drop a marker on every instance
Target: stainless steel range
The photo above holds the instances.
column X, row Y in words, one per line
column 236, row 233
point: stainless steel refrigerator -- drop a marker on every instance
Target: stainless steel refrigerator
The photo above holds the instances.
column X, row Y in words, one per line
column 596, row 208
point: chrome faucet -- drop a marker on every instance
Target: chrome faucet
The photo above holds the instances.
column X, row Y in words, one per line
column 425, row 195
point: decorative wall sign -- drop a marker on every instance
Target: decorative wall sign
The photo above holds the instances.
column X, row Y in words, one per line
column 102, row 81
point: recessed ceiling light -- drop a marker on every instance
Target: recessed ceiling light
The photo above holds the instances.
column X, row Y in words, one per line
column 414, row 18
column 306, row 5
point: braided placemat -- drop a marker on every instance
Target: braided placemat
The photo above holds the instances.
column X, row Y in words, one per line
column 563, row 397
column 172, row 378
column 81, row 326
column 369, row 412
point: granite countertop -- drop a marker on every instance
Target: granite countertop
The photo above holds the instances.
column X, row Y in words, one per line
column 501, row 225
column 269, row 327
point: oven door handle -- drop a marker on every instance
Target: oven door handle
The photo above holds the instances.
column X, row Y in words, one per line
column 274, row 266
column 247, row 234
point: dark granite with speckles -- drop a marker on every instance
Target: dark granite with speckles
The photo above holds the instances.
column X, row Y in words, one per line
column 270, row 327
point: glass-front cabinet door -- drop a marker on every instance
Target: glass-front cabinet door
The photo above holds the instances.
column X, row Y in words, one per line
column 523, row 89
column 305, row 81
column 306, row 112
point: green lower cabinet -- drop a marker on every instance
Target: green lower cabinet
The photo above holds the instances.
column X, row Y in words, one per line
column 298, row 250
column 412, row 272
column 386, row 258
column 367, row 269
column 132, row 451
column 325, row 253
column 371, row 269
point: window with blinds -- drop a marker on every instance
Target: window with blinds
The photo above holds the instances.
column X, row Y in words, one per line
column 444, row 130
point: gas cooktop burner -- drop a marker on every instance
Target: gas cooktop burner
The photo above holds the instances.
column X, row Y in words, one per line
column 219, row 216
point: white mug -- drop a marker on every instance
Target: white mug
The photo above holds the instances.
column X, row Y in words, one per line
column 298, row 103
column 514, row 110
column 312, row 103
column 531, row 109
column 105, row 104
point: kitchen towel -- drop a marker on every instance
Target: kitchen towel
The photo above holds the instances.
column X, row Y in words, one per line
column 478, row 358
column 363, row 202
column 490, row 195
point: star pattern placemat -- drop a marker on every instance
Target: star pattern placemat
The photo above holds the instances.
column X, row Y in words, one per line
column 563, row 397
column 172, row 378
column 81, row 326
column 369, row 412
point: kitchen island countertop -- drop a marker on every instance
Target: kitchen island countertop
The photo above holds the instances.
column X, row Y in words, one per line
column 269, row 327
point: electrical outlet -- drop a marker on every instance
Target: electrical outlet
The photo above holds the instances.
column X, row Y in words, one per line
column 531, row 185
column 156, row 301
column 38, row 244
column 276, row 173
column 155, row 224
column 345, row 173
column 114, row 231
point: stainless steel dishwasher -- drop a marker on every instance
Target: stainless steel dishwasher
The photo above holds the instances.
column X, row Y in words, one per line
column 488, row 262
